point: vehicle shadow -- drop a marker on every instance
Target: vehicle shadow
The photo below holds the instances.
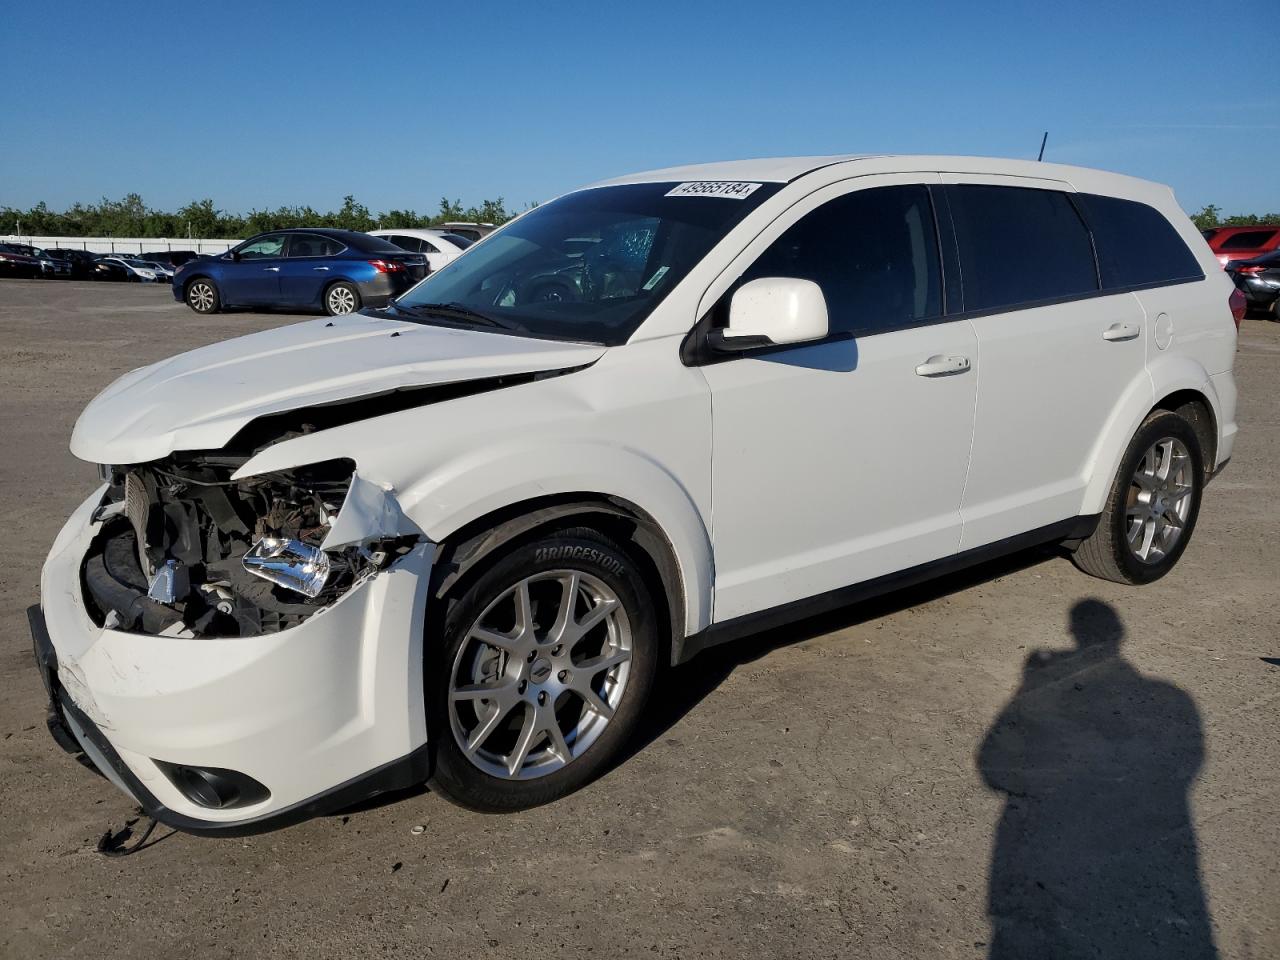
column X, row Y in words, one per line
column 1095, row 852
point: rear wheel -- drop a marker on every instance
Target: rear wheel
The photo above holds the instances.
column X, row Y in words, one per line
column 341, row 298
column 1151, row 511
column 202, row 296
column 544, row 668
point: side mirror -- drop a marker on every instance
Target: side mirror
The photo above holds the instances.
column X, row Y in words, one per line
column 772, row 311
column 233, row 255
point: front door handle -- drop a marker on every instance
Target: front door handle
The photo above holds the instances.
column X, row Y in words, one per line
column 942, row 366
column 272, row 269
column 319, row 268
column 1125, row 330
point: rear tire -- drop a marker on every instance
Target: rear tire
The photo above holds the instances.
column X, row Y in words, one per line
column 202, row 296
column 341, row 298
column 568, row 689
column 1151, row 511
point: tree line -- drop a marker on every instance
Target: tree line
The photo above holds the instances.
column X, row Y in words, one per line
column 1211, row 216
column 131, row 217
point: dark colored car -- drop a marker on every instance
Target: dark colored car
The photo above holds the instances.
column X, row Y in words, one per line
column 51, row 268
column 1242, row 243
column 1258, row 278
column 112, row 270
column 81, row 261
column 16, row 264
column 170, row 258
column 335, row 271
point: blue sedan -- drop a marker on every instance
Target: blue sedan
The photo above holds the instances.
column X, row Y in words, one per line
column 336, row 271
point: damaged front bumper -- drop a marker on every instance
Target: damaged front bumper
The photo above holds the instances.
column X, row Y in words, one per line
column 319, row 714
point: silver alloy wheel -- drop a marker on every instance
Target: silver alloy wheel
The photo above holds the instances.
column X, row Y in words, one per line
column 1159, row 500
column 540, row 674
column 200, row 296
column 341, row 300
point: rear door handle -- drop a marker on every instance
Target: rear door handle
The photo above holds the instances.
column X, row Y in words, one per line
column 319, row 268
column 1125, row 330
column 273, row 269
column 942, row 366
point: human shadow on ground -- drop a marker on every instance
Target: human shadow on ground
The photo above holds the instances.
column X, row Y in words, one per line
column 1095, row 853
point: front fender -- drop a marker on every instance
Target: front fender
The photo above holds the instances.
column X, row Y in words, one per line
column 466, row 490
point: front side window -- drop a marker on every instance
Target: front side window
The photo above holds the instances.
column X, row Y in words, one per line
column 873, row 252
column 1020, row 245
column 589, row 266
column 272, row 245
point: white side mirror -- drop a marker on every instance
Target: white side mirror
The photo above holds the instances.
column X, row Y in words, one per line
column 773, row 311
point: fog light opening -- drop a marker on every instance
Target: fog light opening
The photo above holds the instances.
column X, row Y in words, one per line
column 214, row 787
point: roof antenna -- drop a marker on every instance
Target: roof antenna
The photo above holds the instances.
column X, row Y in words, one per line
column 1043, row 141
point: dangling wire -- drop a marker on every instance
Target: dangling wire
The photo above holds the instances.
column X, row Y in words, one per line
column 112, row 844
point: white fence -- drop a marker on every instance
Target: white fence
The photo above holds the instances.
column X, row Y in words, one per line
column 123, row 244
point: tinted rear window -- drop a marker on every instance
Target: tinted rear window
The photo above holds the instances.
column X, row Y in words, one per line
column 374, row 244
column 1136, row 244
column 1247, row 240
column 1020, row 245
column 457, row 240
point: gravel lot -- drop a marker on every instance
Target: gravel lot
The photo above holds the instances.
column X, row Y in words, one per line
column 1098, row 765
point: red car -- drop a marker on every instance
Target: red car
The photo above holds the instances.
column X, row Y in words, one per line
column 1242, row 243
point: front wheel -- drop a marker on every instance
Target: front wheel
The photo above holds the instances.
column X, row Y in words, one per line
column 1151, row 511
column 202, row 296
column 542, row 672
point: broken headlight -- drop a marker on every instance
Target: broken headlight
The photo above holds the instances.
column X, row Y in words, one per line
column 291, row 564
column 185, row 547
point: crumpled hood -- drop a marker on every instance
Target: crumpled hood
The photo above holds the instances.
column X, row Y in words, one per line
column 199, row 400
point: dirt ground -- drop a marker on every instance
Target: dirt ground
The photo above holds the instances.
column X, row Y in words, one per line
column 1098, row 766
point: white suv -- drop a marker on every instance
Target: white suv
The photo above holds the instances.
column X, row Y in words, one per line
column 453, row 539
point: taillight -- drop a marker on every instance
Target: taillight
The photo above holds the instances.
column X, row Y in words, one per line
column 1250, row 270
column 1238, row 305
column 387, row 266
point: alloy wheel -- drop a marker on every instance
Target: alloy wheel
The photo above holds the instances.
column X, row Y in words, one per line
column 341, row 300
column 201, row 296
column 1159, row 500
column 540, row 674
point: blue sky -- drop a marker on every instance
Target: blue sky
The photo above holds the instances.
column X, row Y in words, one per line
column 258, row 105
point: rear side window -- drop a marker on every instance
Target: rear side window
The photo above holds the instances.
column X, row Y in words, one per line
column 1136, row 244
column 412, row 244
column 1248, row 240
column 1020, row 245
column 873, row 252
column 313, row 245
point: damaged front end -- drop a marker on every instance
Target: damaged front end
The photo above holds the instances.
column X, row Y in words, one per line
column 185, row 550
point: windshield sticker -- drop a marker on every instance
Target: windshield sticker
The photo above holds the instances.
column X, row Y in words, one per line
column 658, row 275
column 733, row 189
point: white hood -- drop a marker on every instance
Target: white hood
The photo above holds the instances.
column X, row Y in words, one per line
column 199, row 400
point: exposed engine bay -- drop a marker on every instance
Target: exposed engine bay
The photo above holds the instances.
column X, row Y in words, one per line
column 185, row 550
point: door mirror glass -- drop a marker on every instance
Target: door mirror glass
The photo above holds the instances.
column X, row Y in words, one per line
column 773, row 311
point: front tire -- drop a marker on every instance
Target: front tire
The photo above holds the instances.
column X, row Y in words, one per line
column 341, row 298
column 202, row 296
column 544, row 666
column 1152, row 509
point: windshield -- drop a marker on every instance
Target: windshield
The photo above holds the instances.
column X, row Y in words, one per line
column 589, row 266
